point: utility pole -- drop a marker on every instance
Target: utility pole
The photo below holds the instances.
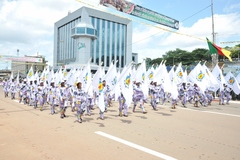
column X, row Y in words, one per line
column 214, row 56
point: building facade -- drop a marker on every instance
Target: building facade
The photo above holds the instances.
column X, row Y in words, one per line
column 23, row 65
column 110, row 39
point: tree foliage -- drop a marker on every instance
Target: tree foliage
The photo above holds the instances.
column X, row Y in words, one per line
column 174, row 57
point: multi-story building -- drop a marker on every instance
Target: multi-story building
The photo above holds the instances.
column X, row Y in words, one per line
column 92, row 33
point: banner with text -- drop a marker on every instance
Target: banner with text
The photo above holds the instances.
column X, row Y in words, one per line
column 141, row 12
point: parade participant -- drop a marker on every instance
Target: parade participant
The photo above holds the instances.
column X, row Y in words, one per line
column 80, row 100
column 89, row 104
column 105, row 93
column 41, row 95
column 23, row 92
column 203, row 99
column 13, row 89
column 5, row 87
column 196, row 92
column 154, row 91
column 29, row 92
column 19, row 84
column 138, row 97
column 209, row 95
column 222, row 95
column 63, row 96
column 161, row 94
column 174, row 102
column 122, row 106
column 228, row 94
column 190, row 94
column 183, row 94
column 34, row 92
column 52, row 96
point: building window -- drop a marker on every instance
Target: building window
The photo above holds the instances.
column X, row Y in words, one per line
column 133, row 58
column 90, row 31
column 81, row 30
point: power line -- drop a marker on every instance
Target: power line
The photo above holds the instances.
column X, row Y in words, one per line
column 196, row 13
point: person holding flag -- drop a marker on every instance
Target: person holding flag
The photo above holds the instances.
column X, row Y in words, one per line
column 138, row 97
column 80, row 100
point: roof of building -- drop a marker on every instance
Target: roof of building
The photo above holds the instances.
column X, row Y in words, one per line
column 94, row 13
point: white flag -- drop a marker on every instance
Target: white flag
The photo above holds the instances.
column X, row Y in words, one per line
column 111, row 76
column 217, row 73
column 140, row 76
column 232, row 83
column 212, row 82
column 98, row 88
column 85, row 77
column 198, row 76
column 30, row 75
column 125, row 82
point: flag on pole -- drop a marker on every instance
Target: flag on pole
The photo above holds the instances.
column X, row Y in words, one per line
column 232, row 83
column 140, row 76
column 111, row 76
column 30, row 74
column 98, row 88
column 217, row 73
column 85, row 77
column 198, row 76
column 125, row 82
column 214, row 49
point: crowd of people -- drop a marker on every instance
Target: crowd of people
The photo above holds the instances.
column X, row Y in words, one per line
column 39, row 93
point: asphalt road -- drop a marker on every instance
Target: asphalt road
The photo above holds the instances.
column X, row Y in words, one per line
column 183, row 133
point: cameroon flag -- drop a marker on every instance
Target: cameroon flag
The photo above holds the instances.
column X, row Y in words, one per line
column 214, row 49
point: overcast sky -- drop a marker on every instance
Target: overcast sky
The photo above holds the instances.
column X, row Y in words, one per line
column 28, row 25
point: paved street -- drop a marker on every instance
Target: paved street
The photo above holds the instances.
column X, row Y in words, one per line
column 183, row 133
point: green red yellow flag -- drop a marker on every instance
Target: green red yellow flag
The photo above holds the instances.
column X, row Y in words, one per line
column 214, row 49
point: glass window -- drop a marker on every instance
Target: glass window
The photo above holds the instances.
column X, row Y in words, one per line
column 97, row 43
column 73, row 31
column 81, row 30
column 103, row 41
column 113, row 41
column 90, row 31
column 108, row 43
column 118, row 44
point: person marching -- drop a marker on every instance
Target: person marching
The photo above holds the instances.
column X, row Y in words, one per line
column 52, row 96
column 154, row 91
column 222, row 95
column 228, row 94
column 41, row 96
column 63, row 97
column 138, row 97
column 5, row 87
column 23, row 92
column 183, row 94
column 80, row 100
column 122, row 106
column 13, row 89
column 196, row 92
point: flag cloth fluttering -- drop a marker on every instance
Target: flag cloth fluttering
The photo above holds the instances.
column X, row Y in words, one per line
column 214, row 49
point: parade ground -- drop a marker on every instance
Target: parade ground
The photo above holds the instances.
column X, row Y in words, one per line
column 190, row 133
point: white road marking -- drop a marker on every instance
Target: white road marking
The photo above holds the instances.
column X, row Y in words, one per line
column 149, row 151
column 225, row 114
